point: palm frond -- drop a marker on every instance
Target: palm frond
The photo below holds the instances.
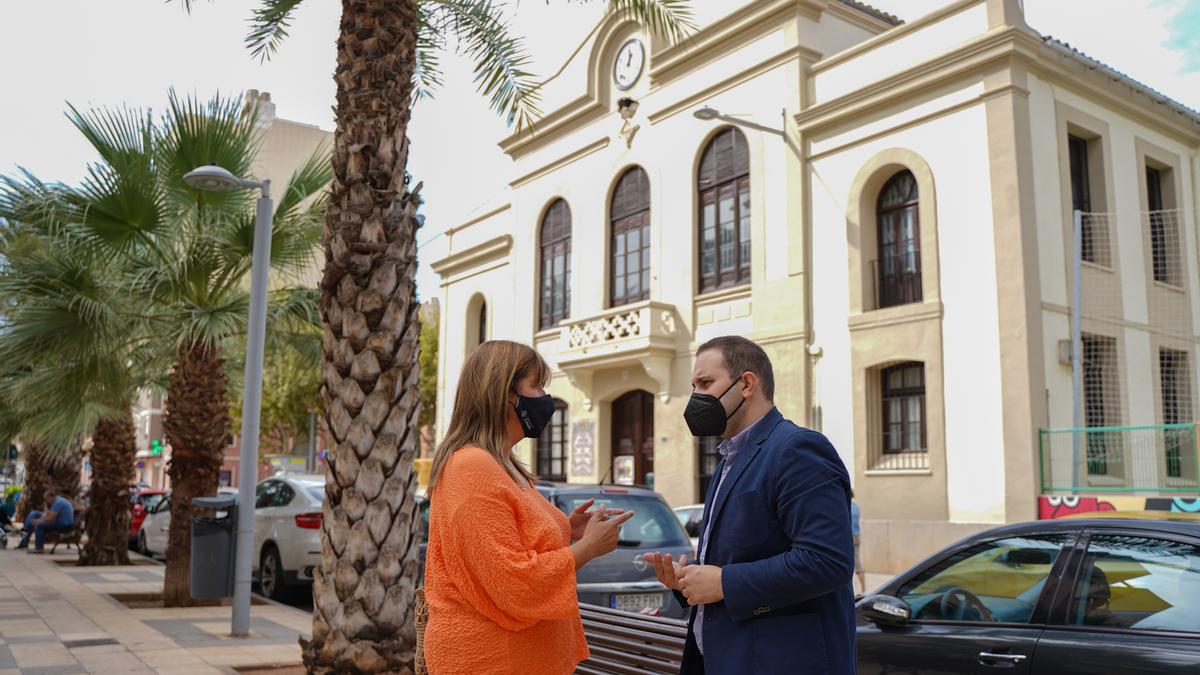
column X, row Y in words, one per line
column 30, row 204
column 269, row 27
column 311, row 178
column 124, row 137
column 431, row 39
column 672, row 19
column 499, row 56
column 220, row 131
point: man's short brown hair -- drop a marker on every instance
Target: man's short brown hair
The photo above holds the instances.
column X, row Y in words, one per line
column 744, row 356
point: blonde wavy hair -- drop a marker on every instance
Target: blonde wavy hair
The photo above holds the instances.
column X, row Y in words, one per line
column 480, row 415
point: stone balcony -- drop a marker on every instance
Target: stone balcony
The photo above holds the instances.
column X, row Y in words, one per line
column 644, row 333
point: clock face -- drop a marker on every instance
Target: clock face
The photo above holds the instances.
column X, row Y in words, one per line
column 628, row 66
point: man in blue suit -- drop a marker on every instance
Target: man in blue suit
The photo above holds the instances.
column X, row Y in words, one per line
column 772, row 584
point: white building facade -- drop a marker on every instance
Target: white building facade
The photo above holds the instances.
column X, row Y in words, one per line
column 889, row 215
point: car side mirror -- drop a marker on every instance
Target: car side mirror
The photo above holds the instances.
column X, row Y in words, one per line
column 885, row 610
column 693, row 528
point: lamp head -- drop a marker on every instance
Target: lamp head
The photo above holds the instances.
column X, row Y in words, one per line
column 706, row 113
column 212, row 178
column 627, row 107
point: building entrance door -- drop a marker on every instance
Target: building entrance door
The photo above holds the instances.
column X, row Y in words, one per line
column 633, row 439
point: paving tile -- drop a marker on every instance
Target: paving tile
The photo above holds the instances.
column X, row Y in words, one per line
column 6, row 658
column 97, row 649
column 221, row 657
column 169, row 657
column 42, row 655
column 54, row 670
column 24, row 628
column 114, row 662
column 197, row 669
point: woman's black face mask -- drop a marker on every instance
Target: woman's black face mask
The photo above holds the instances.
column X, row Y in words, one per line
column 705, row 415
column 534, row 413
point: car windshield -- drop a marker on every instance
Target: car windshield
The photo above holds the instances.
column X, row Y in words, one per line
column 152, row 500
column 652, row 526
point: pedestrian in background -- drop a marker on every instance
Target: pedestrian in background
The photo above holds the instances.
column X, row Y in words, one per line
column 855, row 515
column 501, row 563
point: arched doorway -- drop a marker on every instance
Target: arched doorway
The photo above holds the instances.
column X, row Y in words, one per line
column 633, row 438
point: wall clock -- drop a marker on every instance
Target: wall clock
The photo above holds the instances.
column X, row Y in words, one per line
column 631, row 57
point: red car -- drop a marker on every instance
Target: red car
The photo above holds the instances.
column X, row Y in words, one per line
column 142, row 500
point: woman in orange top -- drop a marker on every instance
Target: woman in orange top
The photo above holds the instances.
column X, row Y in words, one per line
column 500, row 566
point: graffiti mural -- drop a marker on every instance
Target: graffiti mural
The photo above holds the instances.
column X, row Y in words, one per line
column 1055, row 506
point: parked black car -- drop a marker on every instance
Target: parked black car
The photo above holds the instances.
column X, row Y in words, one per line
column 1064, row 596
column 622, row 579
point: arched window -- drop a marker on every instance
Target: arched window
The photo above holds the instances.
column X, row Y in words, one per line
column 630, row 245
column 552, row 446
column 898, row 270
column 555, row 236
column 723, row 184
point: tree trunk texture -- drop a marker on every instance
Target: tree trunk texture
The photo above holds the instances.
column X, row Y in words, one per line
column 45, row 472
column 364, row 589
column 107, row 522
column 196, row 422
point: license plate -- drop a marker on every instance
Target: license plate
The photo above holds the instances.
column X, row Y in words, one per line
column 636, row 602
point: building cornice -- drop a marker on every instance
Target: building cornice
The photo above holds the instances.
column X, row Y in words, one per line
column 477, row 255
column 450, row 231
column 671, row 62
column 975, row 57
column 559, row 163
column 859, row 17
column 727, row 34
column 784, row 57
column 892, row 34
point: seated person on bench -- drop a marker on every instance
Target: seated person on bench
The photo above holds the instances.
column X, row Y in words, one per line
column 60, row 515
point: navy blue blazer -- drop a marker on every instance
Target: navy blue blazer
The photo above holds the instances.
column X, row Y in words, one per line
column 781, row 534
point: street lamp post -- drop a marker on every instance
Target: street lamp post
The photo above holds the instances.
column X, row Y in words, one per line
column 707, row 113
column 215, row 179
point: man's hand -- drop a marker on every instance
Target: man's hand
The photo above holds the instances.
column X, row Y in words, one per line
column 580, row 517
column 667, row 571
column 701, row 584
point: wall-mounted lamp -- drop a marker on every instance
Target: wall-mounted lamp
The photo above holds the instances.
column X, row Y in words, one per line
column 626, row 108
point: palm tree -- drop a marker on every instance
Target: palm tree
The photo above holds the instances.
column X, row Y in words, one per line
column 387, row 57
column 184, row 256
column 81, row 360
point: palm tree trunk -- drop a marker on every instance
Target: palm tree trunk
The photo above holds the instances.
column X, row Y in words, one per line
column 37, row 480
column 107, row 522
column 364, row 590
column 44, row 471
column 196, row 422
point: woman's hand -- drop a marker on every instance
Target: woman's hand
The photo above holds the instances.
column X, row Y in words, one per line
column 600, row 536
column 580, row 517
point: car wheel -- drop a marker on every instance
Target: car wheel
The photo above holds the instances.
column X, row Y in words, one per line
column 141, row 544
column 270, row 573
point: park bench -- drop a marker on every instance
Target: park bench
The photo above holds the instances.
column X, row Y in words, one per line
column 68, row 537
column 622, row 643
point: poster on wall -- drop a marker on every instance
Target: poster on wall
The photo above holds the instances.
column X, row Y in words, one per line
column 623, row 470
column 583, row 458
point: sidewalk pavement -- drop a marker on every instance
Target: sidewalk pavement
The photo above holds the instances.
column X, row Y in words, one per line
column 60, row 619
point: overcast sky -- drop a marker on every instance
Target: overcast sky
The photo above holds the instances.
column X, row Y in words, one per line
column 130, row 52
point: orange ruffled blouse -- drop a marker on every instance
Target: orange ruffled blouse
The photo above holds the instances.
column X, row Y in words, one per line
column 500, row 578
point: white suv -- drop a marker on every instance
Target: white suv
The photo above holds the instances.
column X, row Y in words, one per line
column 287, row 531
